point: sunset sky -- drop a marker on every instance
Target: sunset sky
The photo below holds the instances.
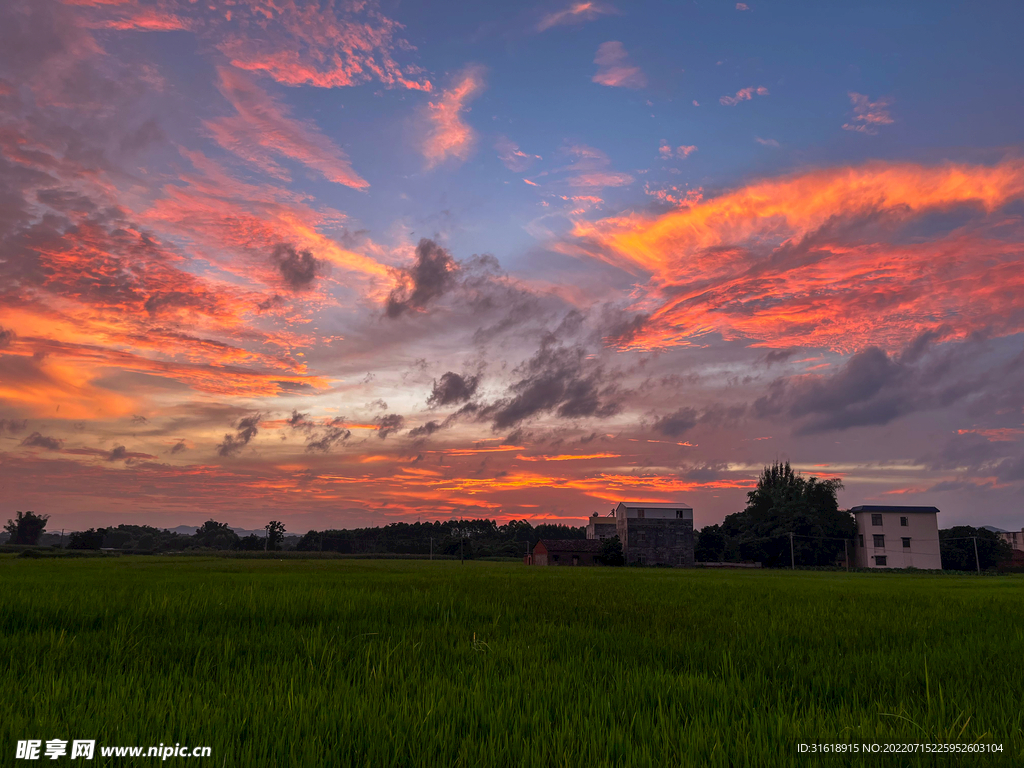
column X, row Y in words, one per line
column 343, row 264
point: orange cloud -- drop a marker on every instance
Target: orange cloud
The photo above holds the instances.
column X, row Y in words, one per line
column 744, row 94
column 676, row 196
column 818, row 259
column 570, row 457
column 615, row 69
column 263, row 128
column 208, row 207
column 574, row 14
column 448, row 136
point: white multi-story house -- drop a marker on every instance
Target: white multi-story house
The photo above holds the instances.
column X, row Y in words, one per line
column 897, row 537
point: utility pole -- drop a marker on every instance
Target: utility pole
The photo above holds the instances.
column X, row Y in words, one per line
column 266, row 539
column 846, row 555
column 977, row 562
column 462, row 557
column 62, row 538
column 431, row 547
column 792, row 559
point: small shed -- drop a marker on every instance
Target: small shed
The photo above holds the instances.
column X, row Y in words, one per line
column 567, row 552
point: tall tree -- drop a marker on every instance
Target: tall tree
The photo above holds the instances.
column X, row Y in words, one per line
column 26, row 528
column 216, row 535
column 275, row 534
column 784, row 502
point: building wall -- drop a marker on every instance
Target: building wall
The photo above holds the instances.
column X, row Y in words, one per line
column 601, row 528
column 657, row 542
column 1014, row 538
column 921, row 528
column 566, row 558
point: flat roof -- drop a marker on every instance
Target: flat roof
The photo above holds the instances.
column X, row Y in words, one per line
column 872, row 508
column 654, row 505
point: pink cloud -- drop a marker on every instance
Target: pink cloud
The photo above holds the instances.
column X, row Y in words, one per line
column 512, row 156
column 615, row 69
column 448, row 135
column 263, row 128
column 868, row 114
column 296, row 43
column 744, row 94
column 766, row 142
column 591, row 168
column 601, row 179
column 742, row 7
column 681, row 152
column 577, row 13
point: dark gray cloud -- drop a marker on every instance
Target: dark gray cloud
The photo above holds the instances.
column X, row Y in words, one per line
column 433, row 274
column 246, row 430
column 6, row 337
column 36, row 440
column 776, row 356
column 389, row 424
column 624, row 330
column 179, row 447
column 139, row 420
column 118, row 453
column 147, row 133
column 324, row 440
column 559, row 379
column 13, row 426
column 874, row 388
column 425, row 430
column 298, row 268
column 320, row 437
column 675, row 424
column 453, row 389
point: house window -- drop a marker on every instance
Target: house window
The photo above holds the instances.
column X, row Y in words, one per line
column 679, row 514
column 575, row 559
column 640, row 513
column 860, row 537
column 881, row 560
column 906, row 542
column 554, row 558
column 904, row 521
column 876, row 519
column 879, row 540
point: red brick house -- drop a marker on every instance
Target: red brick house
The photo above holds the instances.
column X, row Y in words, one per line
column 567, row 552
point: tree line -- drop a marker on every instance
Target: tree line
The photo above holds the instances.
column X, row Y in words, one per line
column 467, row 538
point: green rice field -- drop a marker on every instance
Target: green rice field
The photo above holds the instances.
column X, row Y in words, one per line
column 318, row 662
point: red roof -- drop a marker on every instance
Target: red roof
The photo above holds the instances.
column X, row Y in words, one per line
column 571, row 545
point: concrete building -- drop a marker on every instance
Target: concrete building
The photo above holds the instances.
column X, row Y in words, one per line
column 1013, row 538
column 602, row 527
column 896, row 537
column 566, row 552
column 655, row 534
